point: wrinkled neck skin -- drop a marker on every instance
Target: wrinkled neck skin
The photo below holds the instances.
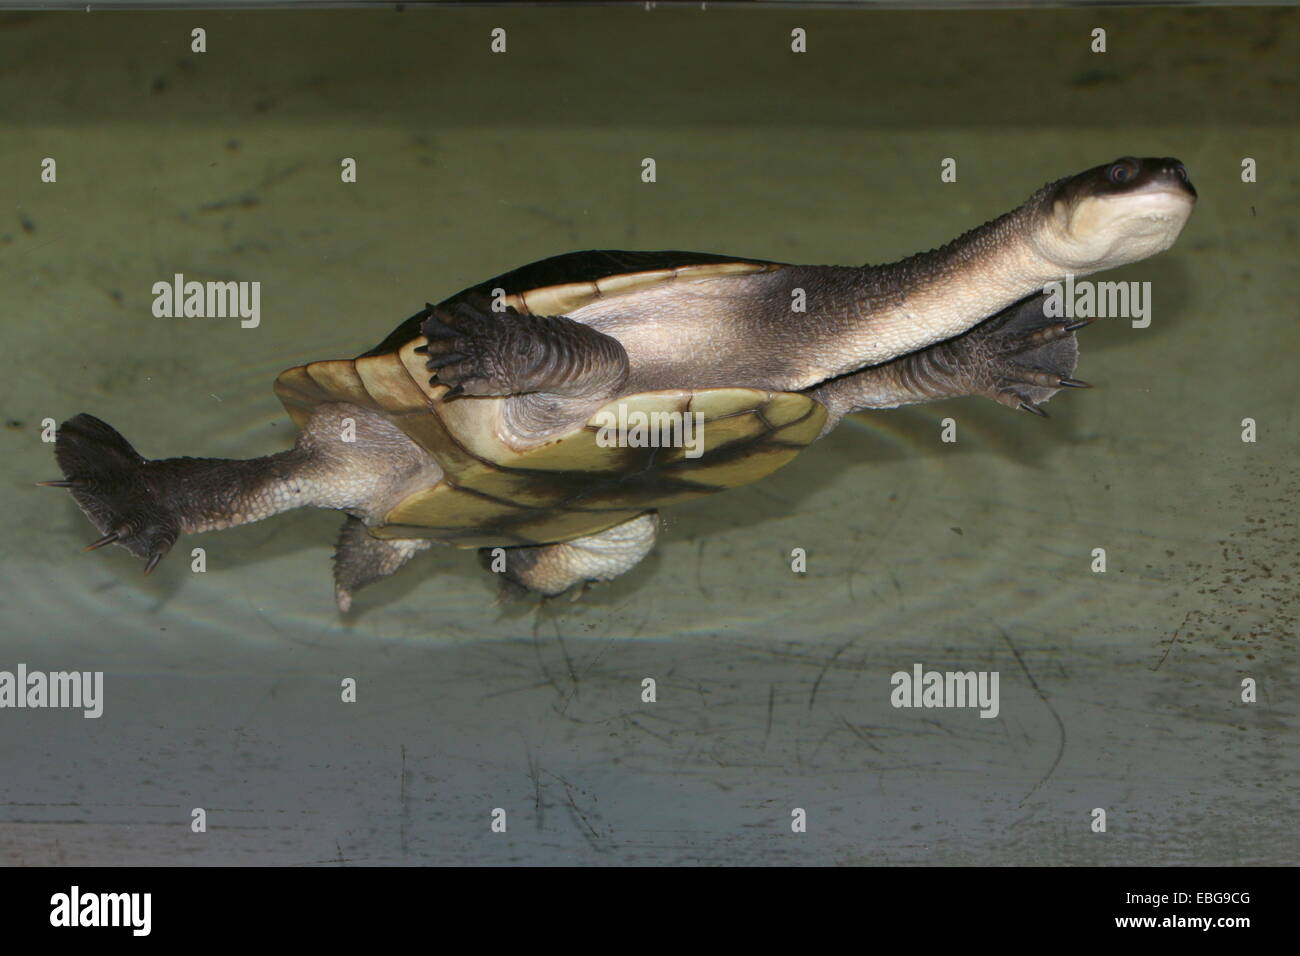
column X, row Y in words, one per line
column 894, row 309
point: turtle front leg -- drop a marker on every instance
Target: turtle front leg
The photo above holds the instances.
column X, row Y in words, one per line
column 477, row 351
column 551, row 569
column 1018, row 358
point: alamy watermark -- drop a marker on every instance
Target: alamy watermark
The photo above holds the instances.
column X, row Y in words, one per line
column 1098, row 300
column 80, row 690
column 922, row 688
column 638, row 429
column 208, row 300
column 76, row 908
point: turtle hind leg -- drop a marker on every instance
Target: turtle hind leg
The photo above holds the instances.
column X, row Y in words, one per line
column 552, row 569
column 144, row 505
column 477, row 351
column 108, row 481
column 360, row 558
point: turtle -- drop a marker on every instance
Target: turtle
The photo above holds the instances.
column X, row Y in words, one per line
column 545, row 415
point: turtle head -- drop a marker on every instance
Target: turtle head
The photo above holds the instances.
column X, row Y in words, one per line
column 1114, row 214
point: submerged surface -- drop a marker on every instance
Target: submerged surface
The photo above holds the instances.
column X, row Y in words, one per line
column 1119, row 690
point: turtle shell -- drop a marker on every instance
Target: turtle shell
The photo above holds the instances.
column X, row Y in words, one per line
column 577, row 483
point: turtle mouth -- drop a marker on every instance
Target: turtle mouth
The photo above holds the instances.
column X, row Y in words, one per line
column 1157, row 203
column 1164, row 188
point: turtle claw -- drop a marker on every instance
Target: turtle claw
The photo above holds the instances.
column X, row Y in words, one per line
column 108, row 539
column 59, row 484
column 452, row 390
column 444, row 359
column 1043, row 335
column 1025, row 389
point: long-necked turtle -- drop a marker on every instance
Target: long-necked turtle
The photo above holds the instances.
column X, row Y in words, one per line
column 512, row 441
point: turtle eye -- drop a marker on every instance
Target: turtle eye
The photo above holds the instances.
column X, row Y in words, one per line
column 1121, row 172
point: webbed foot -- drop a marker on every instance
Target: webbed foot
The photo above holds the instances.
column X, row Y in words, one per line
column 477, row 351
column 111, row 483
column 1018, row 358
column 469, row 348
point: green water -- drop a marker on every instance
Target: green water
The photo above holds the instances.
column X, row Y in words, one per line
column 1119, row 690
